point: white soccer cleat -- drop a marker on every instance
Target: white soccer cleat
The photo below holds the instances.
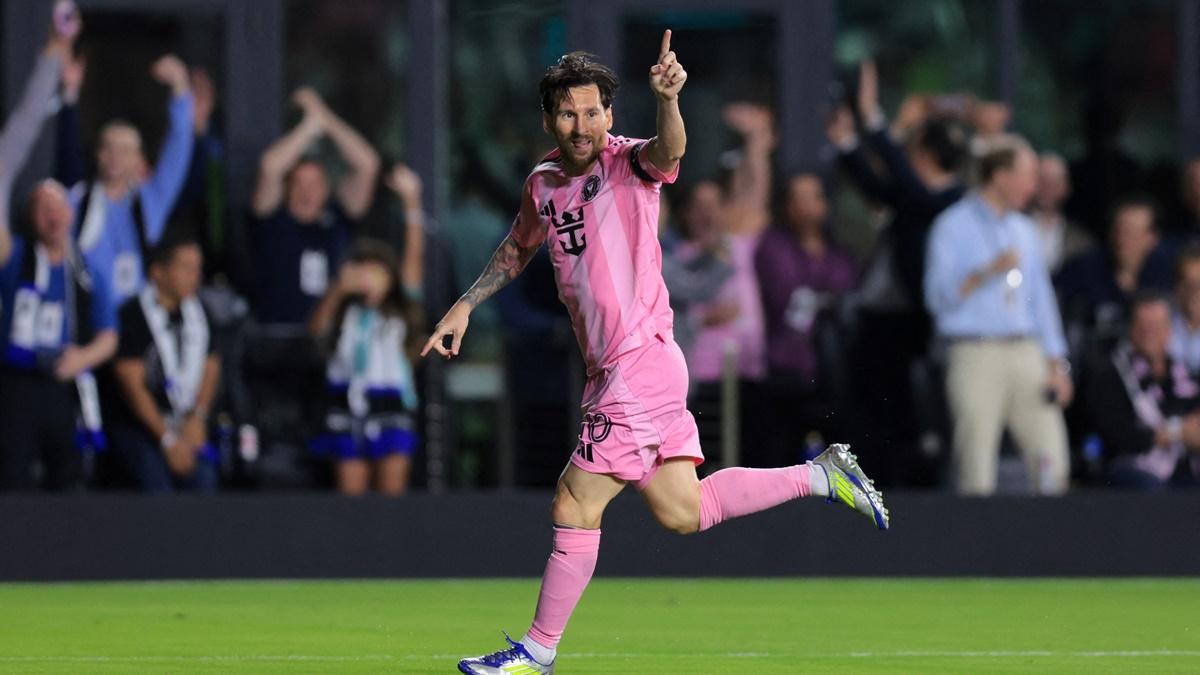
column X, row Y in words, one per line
column 850, row 486
column 512, row 661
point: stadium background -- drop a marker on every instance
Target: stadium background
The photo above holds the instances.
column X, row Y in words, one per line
column 448, row 87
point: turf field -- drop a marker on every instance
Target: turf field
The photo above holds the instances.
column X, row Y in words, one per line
column 623, row 625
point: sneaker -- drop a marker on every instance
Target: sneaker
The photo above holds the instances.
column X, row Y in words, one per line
column 512, row 661
column 850, row 486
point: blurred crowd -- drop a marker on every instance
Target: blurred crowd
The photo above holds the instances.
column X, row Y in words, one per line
column 1001, row 333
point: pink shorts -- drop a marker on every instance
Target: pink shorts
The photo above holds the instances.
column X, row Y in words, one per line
column 635, row 415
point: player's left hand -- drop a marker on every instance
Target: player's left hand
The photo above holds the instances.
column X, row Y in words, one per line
column 667, row 75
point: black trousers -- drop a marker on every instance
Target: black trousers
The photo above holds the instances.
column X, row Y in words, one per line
column 37, row 419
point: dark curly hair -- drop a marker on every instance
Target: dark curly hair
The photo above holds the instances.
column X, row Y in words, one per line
column 577, row 69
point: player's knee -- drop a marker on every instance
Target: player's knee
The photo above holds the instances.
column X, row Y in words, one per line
column 567, row 510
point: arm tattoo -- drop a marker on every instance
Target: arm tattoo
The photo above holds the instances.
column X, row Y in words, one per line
column 506, row 263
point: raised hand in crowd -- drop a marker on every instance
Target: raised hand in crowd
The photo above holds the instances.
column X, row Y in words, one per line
column 868, row 94
column 65, row 26
column 839, row 127
column 312, row 105
column 748, row 208
column 354, row 192
column 171, row 71
column 753, row 122
column 407, row 185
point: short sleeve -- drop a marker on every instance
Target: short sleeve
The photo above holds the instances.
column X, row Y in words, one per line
column 134, row 333
column 644, row 169
column 528, row 230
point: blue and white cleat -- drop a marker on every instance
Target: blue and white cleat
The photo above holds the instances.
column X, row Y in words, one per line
column 512, row 661
column 850, row 486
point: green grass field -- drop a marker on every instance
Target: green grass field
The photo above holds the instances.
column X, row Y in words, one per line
column 622, row 626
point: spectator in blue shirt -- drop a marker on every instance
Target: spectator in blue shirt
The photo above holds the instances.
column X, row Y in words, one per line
column 58, row 324
column 990, row 294
column 123, row 211
column 303, row 225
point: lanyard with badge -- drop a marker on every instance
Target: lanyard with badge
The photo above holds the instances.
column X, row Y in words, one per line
column 1014, row 277
column 37, row 322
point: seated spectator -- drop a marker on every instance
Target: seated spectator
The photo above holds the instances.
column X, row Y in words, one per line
column 1146, row 405
column 302, row 227
column 370, row 322
column 124, row 210
column 1097, row 286
column 800, row 273
column 168, row 373
column 989, row 291
column 58, row 324
column 1061, row 239
column 1185, row 326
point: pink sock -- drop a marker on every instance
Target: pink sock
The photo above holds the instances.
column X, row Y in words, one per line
column 567, row 573
column 734, row 492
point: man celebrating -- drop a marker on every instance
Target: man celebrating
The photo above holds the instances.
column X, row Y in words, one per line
column 123, row 212
column 594, row 201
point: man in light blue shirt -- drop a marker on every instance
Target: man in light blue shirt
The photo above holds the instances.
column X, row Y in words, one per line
column 993, row 303
column 124, row 210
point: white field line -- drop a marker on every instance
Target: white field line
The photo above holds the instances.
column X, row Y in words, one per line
column 313, row 658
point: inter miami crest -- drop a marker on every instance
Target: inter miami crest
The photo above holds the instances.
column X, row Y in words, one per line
column 567, row 227
column 591, row 187
column 596, row 427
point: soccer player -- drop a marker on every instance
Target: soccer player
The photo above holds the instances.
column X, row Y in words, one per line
column 594, row 202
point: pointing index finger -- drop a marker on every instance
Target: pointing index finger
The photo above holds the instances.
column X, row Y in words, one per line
column 666, row 44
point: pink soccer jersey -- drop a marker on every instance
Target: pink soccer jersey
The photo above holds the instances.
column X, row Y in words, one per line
column 602, row 229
